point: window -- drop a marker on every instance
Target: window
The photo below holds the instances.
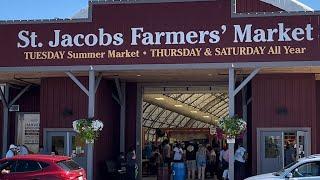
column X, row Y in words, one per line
column 68, row 165
column 307, row 170
column 25, row 166
column 272, row 146
column 44, row 165
column 8, row 165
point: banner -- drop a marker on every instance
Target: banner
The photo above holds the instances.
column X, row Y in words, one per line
column 188, row 32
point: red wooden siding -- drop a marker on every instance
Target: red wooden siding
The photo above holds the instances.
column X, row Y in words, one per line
column 294, row 92
column 28, row 102
column 107, row 110
column 131, row 114
column 255, row 6
column 58, row 94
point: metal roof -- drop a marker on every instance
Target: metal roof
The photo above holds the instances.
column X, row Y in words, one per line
column 289, row 5
column 195, row 110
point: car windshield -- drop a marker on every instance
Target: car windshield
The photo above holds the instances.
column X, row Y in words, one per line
column 280, row 173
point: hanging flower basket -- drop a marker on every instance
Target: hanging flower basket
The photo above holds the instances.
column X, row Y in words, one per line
column 232, row 127
column 88, row 129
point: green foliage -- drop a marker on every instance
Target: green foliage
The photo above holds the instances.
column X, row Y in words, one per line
column 88, row 129
column 232, row 127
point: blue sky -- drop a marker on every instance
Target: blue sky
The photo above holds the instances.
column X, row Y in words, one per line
column 315, row 4
column 39, row 9
column 48, row 9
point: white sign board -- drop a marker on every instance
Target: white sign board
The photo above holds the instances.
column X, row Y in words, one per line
column 28, row 130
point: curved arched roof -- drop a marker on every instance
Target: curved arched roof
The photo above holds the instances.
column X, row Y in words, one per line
column 214, row 104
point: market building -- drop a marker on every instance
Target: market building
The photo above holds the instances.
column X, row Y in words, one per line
column 172, row 67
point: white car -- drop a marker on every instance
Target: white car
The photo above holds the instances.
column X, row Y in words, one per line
column 304, row 168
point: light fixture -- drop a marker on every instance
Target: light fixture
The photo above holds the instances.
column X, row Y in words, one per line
column 178, row 105
column 194, row 111
column 206, row 116
column 159, row 98
column 138, row 75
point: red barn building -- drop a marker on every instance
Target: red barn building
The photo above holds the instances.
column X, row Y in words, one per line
column 256, row 59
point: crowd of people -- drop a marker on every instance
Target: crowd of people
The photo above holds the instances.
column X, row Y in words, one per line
column 17, row 150
column 202, row 160
column 24, row 150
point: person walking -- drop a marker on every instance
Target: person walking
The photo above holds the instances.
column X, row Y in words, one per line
column 201, row 158
column 12, row 151
column 240, row 157
column 23, row 150
column 223, row 161
column 289, row 154
column 178, row 153
column 191, row 161
column 224, row 157
column 131, row 164
column 211, row 160
column 166, row 152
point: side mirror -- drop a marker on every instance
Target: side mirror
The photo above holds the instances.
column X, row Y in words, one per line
column 289, row 175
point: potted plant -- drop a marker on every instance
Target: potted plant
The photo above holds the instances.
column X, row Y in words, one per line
column 88, row 129
column 232, row 127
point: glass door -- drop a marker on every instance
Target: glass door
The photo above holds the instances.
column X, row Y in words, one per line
column 271, row 156
column 302, row 144
column 67, row 143
column 57, row 143
column 78, row 150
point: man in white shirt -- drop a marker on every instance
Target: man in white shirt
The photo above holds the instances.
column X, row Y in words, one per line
column 177, row 153
column 10, row 152
column 240, row 157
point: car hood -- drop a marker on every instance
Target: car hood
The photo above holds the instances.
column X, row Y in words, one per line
column 264, row 177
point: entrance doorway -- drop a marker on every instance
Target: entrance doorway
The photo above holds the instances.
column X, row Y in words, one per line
column 279, row 147
column 183, row 116
column 66, row 143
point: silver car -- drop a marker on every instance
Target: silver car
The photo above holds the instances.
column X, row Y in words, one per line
column 304, row 168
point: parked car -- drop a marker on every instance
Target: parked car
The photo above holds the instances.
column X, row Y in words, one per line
column 49, row 167
column 304, row 168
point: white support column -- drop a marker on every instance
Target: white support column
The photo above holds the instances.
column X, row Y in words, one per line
column 6, row 106
column 231, row 114
column 232, row 93
column 91, row 106
column 91, row 92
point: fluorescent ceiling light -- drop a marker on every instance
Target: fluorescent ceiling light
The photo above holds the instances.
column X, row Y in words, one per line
column 178, row 105
column 206, row 116
column 159, row 98
column 193, row 111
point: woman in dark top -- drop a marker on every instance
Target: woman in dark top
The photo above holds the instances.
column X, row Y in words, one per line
column 191, row 160
column 131, row 164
